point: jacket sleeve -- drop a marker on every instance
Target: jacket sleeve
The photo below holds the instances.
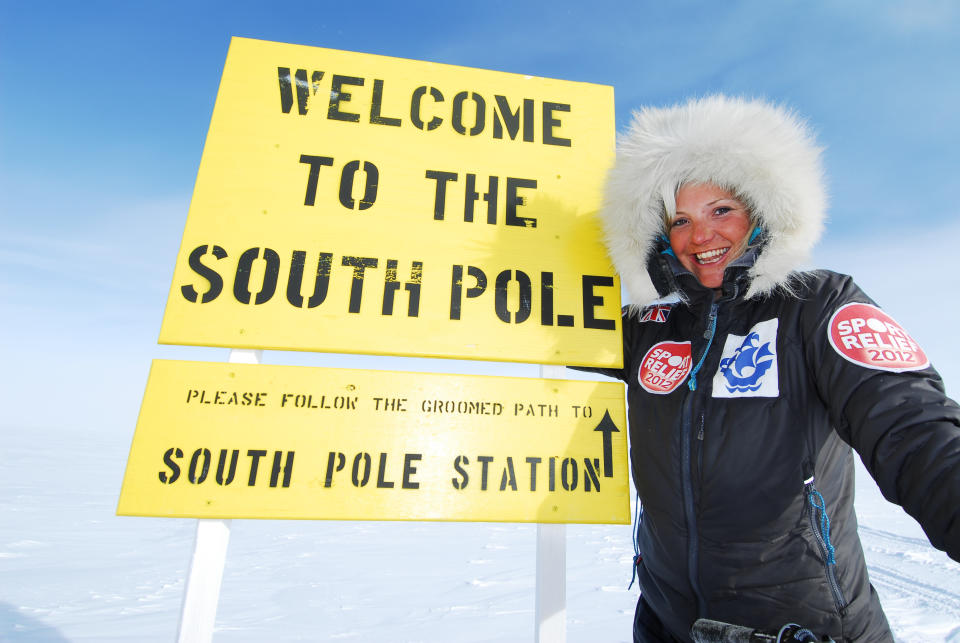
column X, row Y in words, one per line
column 627, row 326
column 906, row 430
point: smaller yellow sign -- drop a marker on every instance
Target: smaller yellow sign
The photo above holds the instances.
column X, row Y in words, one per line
column 253, row 441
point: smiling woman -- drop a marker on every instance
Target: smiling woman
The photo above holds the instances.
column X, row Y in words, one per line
column 748, row 382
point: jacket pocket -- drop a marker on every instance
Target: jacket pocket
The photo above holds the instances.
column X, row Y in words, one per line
column 816, row 508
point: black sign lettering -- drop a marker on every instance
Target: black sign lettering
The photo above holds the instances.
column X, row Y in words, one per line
column 409, row 469
column 470, row 197
column 513, row 123
column 480, row 114
column 546, row 299
column 222, row 463
column 533, row 461
column 392, row 285
column 202, row 458
column 168, row 459
column 440, row 198
column 337, row 96
column 192, row 475
column 340, row 460
column 591, row 480
column 509, row 477
column 512, row 119
column 568, row 474
column 456, row 288
column 514, row 200
column 241, row 283
column 396, row 404
column 415, row 101
column 459, row 462
column 382, row 482
column 358, row 479
column 226, row 398
column 303, row 90
column 549, row 123
column 376, row 107
column 315, row 163
column 254, row 455
column 526, row 292
column 372, row 176
column 320, row 284
column 360, row 264
column 607, row 428
column 286, row 467
column 591, row 301
column 212, row 276
column 484, row 461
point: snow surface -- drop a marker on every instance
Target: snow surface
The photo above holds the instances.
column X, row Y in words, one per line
column 70, row 570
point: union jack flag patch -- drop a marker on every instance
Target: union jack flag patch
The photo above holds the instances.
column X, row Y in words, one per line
column 656, row 313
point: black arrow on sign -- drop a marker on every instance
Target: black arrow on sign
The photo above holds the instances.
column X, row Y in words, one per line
column 608, row 428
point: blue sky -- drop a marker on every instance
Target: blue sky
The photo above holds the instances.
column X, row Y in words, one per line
column 105, row 106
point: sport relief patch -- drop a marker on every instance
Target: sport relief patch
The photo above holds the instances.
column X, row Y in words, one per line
column 665, row 366
column 865, row 335
column 748, row 365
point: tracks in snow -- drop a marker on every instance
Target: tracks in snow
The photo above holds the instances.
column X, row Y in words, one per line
column 909, row 568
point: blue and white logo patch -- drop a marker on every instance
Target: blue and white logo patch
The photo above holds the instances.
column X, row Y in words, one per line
column 748, row 366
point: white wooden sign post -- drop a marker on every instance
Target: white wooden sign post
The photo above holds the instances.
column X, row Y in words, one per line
column 551, row 593
column 201, row 594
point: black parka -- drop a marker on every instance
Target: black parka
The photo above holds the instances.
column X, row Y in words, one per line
column 734, row 481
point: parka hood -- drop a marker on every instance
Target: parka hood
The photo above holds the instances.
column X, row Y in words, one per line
column 760, row 152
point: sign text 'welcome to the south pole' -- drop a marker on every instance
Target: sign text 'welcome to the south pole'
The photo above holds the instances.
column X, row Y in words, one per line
column 356, row 203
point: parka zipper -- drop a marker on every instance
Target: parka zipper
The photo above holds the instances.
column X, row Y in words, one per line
column 686, row 447
column 700, row 447
column 820, row 525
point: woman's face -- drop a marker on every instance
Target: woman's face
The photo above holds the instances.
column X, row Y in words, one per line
column 708, row 231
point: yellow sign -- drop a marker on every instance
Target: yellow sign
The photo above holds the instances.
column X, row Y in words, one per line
column 254, row 441
column 356, row 203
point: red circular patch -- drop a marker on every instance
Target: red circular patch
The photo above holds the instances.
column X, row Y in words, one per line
column 865, row 335
column 665, row 366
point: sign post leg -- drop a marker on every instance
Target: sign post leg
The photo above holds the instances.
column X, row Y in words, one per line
column 202, row 591
column 551, row 607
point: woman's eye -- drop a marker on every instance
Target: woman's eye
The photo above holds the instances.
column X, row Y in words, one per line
column 722, row 210
column 679, row 221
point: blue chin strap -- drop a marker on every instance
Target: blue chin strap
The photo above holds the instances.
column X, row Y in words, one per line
column 666, row 240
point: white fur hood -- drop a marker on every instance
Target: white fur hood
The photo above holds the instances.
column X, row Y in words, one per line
column 761, row 152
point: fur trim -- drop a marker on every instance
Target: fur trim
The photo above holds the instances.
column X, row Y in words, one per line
column 761, row 152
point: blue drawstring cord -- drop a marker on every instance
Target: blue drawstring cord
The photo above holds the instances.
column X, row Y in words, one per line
column 668, row 250
column 692, row 382
column 821, row 506
column 637, row 556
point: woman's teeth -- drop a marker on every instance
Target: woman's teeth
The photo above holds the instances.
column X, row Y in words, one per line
column 711, row 256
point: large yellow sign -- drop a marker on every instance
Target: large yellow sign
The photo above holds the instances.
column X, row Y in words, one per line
column 254, row 441
column 355, row 203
